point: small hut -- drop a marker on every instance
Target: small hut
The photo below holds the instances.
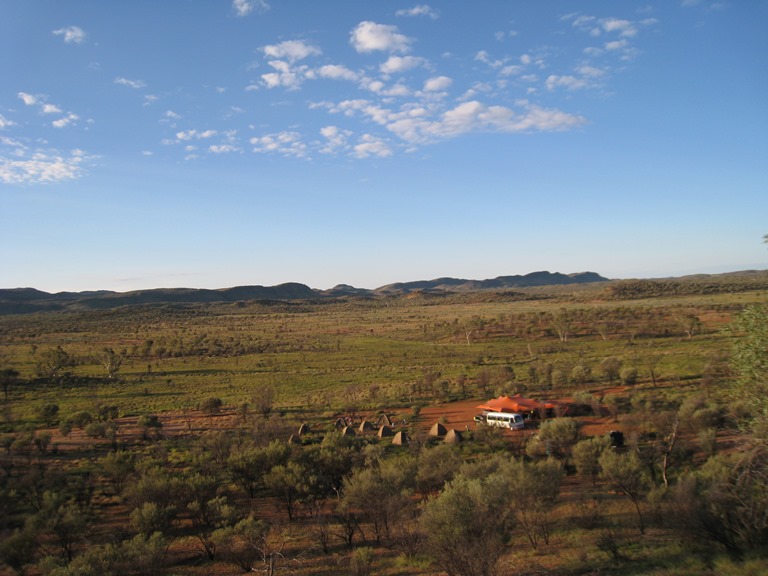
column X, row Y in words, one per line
column 365, row 426
column 294, row 439
column 385, row 431
column 347, row 431
column 400, row 439
column 437, row 430
column 453, row 436
column 340, row 424
column 303, row 429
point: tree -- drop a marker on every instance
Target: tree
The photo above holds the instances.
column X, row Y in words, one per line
column 561, row 323
column 17, row 549
column 727, row 500
column 264, row 399
column 533, row 490
column 628, row 376
column 555, row 438
column 64, row 520
column 611, row 367
column 467, row 526
column 626, row 473
column 242, row 543
column 161, row 489
column 208, row 516
column 118, row 468
column 111, row 361
column 750, row 363
column 50, row 362
column 435, row 467
column 147, row 422
column 287, row 484
column 586, row 456
column 248, row 465
column 150, row 518
column 49, row 413
column 380, row 492
column 581, row 374
column 211, row 406
column 690, row 324
column 8, row 377
column 651, row 361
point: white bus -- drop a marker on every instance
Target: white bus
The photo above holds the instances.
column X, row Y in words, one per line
column 505, row 420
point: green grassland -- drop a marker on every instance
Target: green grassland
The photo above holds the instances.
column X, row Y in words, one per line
column 316, row 354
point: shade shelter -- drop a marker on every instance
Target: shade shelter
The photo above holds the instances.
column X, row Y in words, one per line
column 526, row 406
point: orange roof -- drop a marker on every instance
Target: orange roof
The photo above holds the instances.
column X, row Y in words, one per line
column 516, row 403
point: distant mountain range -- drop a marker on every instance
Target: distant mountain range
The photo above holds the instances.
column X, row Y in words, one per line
column 26, row 300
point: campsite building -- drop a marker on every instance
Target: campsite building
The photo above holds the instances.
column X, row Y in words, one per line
column 528, row 407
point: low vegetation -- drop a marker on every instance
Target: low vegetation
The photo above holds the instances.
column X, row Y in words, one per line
column 165, row 439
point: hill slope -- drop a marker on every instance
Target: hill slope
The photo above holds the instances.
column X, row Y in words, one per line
column 27, row 300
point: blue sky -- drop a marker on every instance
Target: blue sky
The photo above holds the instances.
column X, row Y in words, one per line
column 211, row 144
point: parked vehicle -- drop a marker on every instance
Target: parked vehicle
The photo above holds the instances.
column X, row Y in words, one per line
column 510, row 420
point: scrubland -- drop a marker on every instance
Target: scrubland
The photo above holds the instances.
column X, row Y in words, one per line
column 164, row 439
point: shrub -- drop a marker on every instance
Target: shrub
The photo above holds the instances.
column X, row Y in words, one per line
column 361, row 560
column 628, row 376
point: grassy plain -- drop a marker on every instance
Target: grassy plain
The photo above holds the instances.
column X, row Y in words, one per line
column 317, row 354
column 327, row 358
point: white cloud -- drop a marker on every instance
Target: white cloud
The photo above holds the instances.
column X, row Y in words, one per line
column 473, row 116
column 399, row 64
column 335, row 139
column 616, row 45
column 336, row 72
column 5, row 123
column 71, row 34
column 28, row 99
column 371, row 146
column 419, row 10
column 512, row 70
column 398, row 90
column 590, row 71
column 186, row 135
column 130, row 83
column 623, row 27
column 51, row 109
column 484, row 57
column 568, row 82
column 244, row 7
column 66, row 121
column 437, row 84
column 417, row 124
column 43, row 167
column 285, row 75
column 369, row 37
column 223, row 148
column 286, row 143
column 171, row 114
column 291, row 50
